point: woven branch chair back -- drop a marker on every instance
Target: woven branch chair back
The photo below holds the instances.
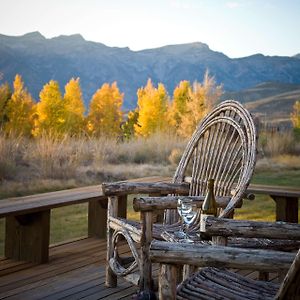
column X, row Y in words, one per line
column 223, row 147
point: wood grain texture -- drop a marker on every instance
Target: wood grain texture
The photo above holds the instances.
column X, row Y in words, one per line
column 27, row 238
column 219, row 256
column 125, row 188
column 250, row 229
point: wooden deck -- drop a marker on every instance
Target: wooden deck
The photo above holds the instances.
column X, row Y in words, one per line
column 75, row 271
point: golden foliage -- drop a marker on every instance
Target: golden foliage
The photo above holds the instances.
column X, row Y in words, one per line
column 152, row 107
column 178, row 107
column 105, row 115
column 202, row 98
column 74, row 107
column 295, row 116
column 20, row 110
column 50, row 110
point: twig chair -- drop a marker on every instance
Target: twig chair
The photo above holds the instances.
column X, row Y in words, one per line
column 223, row 147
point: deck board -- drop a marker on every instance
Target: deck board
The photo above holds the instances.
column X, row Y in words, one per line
column 76, row 270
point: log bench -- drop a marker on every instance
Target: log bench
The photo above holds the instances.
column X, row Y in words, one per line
column 28, row 218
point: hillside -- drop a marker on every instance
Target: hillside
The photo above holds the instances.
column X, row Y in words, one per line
column 272, row 101
column 39, row 60
column 275, row 109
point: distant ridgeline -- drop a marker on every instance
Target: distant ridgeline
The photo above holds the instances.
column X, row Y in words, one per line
column 38, row 60
column 271, row 84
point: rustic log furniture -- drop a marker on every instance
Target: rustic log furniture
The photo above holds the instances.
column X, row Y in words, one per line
column 19, row 241
column 213, row 281
column 223, row 147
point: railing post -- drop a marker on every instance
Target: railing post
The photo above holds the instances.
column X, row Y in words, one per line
column 286, row 208
column 97, row 215
column 97, row 218
column 27, row 237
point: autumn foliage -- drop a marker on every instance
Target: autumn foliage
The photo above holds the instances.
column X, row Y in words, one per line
column 60, row 114
column 105, row 116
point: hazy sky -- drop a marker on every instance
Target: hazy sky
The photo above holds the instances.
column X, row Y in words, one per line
column 236, row 28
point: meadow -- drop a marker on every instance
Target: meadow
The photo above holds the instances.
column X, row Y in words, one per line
column 30, row 166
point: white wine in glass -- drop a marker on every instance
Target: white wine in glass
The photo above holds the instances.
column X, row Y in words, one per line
column 187, row 211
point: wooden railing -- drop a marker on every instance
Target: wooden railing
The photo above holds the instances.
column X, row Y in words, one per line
column 27, row 227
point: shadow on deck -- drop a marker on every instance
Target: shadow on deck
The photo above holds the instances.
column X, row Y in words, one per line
column 76, row 270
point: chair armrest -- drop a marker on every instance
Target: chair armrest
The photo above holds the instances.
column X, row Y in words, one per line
column 125, row 188
column 170, row 202
column 250, row 229
column 202, row 255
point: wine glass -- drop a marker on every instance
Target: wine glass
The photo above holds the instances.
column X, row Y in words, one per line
column 187, row 211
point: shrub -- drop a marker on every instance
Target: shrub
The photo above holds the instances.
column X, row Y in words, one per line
column 277, row 143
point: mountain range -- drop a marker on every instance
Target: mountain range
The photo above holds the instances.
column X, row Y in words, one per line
column 39, row 60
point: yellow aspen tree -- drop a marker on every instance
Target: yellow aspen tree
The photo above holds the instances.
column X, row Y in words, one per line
column 105, row 114
column 152, row 107
column 74, row 107
column 212, row 91
column 20, row 110
column 178, row 107
column 295, row 116
column 5, row 95
column 203, row 97
column 50, row 110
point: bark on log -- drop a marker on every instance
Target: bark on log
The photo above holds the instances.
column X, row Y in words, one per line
column 167, row 282
column 219, row 256
column 123, row 188
column 170, row 202
column 251, row 229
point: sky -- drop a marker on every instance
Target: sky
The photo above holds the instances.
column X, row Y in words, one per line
column 237, row 28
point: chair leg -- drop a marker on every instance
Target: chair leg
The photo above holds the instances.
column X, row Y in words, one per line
column 110, row 277
column 146, row 272
column 112, row 210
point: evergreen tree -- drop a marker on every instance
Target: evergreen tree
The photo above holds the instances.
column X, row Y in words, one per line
column 128, row 126
column 74, row 107
column 5, row 95
column 152, row 107
column 20, row 110
column 50, row 110
column 105, row 115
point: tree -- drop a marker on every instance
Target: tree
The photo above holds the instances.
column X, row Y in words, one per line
column 152, row 107
column 295, row 117
column 178, row 107
column 5, row 95
column 105, row 115
column 20, row 110
column 202, row 98
column 74, row 107
column 50, row 110
column 128, row 126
